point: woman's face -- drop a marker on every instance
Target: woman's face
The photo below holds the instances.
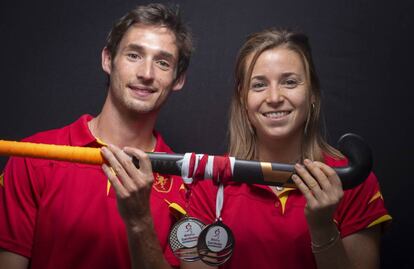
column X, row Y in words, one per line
column 277, row 100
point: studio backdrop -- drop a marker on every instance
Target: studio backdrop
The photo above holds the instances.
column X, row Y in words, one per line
column 51, row 74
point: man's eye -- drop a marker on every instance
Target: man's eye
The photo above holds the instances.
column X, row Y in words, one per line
column 133, row 56
column 164, row 64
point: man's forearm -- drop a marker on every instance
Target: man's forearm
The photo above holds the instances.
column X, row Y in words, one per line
column 144, row 248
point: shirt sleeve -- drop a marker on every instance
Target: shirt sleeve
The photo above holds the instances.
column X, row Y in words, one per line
column 361, row 207
column 18, row 207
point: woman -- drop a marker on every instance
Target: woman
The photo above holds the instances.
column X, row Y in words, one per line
column 275, row 117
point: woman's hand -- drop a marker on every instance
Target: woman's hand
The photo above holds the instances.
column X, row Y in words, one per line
column 323, row 191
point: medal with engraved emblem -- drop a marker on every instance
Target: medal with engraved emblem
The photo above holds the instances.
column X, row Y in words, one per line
column 216, row 242
column 184, row 237
column 184, row 234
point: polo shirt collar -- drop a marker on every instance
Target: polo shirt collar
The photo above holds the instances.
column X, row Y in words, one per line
column 160, row 145
column 80, row 135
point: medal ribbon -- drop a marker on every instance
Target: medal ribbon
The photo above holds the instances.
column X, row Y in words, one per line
column 219, row 201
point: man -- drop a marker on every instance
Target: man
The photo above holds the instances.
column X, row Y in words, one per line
column 56, row 214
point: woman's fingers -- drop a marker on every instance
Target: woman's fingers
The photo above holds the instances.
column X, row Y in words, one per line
column 309, row 181
column 317, row 174
column 319, row 183
column 330, row 174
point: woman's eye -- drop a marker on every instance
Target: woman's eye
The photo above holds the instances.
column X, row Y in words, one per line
column 257, row 85
column 290, row 83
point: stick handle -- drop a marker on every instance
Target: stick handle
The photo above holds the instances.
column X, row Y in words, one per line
column 55, row 152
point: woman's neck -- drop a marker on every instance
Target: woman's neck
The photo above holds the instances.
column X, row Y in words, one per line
column 282, row 150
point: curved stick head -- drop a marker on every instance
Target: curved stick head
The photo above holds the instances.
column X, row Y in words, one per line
column 360, row 160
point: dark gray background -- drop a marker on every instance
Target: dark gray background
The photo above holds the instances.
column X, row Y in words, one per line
column 51, row 74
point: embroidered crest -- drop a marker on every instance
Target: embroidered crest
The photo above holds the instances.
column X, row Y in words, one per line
column 1, row 180
column 162, row 183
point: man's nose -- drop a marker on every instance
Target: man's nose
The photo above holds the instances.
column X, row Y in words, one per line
column 146, row 70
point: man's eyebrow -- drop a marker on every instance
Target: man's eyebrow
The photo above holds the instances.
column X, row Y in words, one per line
column 166, row 55
column 161, row 54
column 134, row 47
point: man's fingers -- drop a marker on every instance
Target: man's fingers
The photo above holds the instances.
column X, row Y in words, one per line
column 120, row 163
column 116, row 184
column 144, row 161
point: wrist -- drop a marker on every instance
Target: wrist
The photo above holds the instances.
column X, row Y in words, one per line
column 320, row 246
column 140, row 226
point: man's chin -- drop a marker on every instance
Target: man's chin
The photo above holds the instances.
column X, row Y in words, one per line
column 143, row 110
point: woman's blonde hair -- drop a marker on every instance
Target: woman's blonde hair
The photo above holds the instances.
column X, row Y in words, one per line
column 242, row 134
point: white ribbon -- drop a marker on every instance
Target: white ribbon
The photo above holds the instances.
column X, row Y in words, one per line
column 219, row 201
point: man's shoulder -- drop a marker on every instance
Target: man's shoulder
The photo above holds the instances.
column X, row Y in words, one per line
column 52, row 136
column 61, row 135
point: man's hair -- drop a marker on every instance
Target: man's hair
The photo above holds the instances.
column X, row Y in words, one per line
column 158, row 15
column 242, row 134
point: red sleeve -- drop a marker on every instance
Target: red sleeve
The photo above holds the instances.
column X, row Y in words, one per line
column 18, row 207
column 361, row 207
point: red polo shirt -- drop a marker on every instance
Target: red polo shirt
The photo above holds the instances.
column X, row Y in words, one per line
column 64, row 215
column 271, row 231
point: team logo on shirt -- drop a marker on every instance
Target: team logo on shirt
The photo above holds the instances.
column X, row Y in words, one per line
column 162, row 183
column 2, row 180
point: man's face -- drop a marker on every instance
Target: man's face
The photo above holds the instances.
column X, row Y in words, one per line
column 143, row 72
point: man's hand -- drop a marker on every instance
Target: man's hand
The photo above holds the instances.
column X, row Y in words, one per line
column 132, row 184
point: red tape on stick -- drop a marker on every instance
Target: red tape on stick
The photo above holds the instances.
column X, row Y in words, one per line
column 221, row 170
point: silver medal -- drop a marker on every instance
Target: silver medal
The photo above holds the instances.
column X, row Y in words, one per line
column 183, row 238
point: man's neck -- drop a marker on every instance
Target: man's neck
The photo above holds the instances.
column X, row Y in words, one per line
column 114, row 127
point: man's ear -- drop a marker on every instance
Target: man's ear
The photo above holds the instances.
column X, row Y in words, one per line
column 179, row 82
column 106, row 60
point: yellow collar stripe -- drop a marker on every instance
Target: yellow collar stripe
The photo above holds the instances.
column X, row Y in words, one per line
column 283, row 196
column 108, row 187
column 108, row 183
column 375, row 197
